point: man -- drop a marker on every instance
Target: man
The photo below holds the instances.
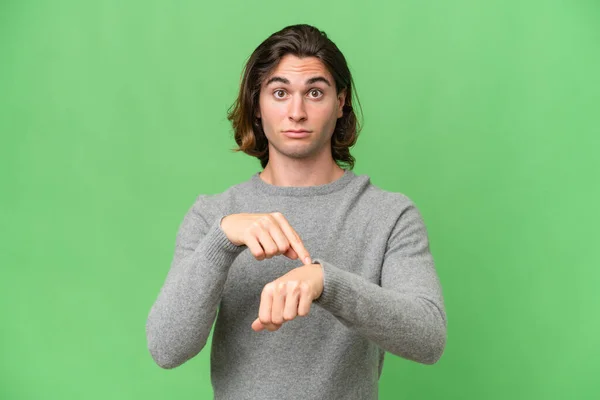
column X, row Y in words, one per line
column 302, row 231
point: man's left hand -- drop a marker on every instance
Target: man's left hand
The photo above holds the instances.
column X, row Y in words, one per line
column 288, row 297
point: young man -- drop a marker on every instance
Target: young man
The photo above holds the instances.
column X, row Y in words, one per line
column 302, row 231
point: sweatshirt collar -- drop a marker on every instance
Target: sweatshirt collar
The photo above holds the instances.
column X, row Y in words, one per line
column 317, row 190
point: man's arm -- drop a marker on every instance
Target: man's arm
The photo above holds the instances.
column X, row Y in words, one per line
column 405, row 315
column 180, row 320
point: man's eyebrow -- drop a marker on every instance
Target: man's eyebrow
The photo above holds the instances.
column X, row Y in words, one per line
column 308, row 81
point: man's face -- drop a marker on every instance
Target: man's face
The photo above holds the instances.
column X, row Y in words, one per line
column 299, row 94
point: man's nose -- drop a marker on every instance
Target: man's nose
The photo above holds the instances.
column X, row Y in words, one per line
column 297, row 110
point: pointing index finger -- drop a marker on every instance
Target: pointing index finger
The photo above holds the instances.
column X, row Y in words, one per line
column 294, row 239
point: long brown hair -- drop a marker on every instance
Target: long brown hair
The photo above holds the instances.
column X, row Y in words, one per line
column 301, row 41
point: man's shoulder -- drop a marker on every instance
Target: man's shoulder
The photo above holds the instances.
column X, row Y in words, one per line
column 220, row 199
column 230, row 191
column 388, row 198
column 393, row 205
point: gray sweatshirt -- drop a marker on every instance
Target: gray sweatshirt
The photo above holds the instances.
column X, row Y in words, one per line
column 381, row 293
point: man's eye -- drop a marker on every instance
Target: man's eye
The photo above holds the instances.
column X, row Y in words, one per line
column 279, row 91
column 317, row 91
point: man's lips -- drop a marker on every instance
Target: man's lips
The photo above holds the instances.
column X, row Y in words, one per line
column 296, row 133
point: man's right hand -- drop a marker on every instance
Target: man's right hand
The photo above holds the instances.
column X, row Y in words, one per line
column 266, row 235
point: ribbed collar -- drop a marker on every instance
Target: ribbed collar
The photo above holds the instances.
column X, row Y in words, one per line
column 338, row 184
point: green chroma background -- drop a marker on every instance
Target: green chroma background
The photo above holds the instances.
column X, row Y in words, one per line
column 113, row 119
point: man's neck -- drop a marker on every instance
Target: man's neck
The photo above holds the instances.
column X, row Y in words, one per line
column 298, row 173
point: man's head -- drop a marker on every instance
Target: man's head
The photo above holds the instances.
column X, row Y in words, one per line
column 297, row 79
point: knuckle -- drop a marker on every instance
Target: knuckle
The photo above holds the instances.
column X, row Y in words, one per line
column 257, row 254
column 269, row 288
column 255, row 223
column 281, row 286
column 304, row 287
column 288, row 316
column 255, row 227
column 272, row 250
column 264, row 221
column 302, row 313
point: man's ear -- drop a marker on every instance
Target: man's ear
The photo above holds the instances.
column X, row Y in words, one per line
column 341, row 101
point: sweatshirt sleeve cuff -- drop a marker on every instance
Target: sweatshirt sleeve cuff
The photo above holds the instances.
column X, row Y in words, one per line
column 217, row 248
column 337, row 288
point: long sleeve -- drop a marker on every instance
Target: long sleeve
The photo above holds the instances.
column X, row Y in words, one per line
column 181, row 318
column 405, row 315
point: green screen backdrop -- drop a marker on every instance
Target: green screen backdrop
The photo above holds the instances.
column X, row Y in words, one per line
column 113, row 119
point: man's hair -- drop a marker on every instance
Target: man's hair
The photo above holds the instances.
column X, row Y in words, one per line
column 301, row 41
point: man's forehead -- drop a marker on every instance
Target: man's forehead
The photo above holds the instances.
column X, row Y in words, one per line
column 292, row 62
column 294, row 70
